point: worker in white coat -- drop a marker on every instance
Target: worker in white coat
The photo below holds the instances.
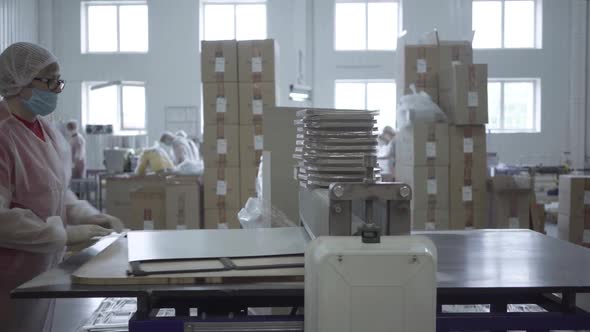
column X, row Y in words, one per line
column 178, row 147
column 78, row 147
column 195, row 154
column 38, row 214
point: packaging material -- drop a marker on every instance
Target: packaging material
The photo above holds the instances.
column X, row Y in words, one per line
column 467, row 186
column 430, row 186
column 510, row 198
column 183, row 203
column 424, row 220
column 248, row 176
column 222, row 188
column 219, row 61
column 221, row 219
column 221, row 103
column 255, row 99
column 574, row 207
column 454, row 52
column 257, row 60
column 251, row 145
column 221, row 146
column 148, row 209
column 463, row 94
column 418, row 107
column 423, row 144
column 421, row 68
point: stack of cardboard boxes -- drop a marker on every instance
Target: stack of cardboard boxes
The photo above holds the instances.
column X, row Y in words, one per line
column 574, row 208
column 446, row 72
column 238, row 86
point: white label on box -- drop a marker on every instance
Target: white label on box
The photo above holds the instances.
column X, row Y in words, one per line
column 513, row 222
column 220, row 65
column 221, row 188
column 430, row 149
column 181, row 227
column 166, row 312
column 429, row 226
column 222, row 226
column 148, row 225
column 431, row 187
column 467, row 194
column 421, row 66
column 257, row 107
column 258, row 142
column 221, row 105
column 468, row 145
column 193, row 312
column 257, row 64
column 222, row 146
column 472, row 99
column 587, row 197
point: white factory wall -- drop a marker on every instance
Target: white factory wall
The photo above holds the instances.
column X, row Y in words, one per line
column 18, row 22
column 171, row 68
column 452, row 18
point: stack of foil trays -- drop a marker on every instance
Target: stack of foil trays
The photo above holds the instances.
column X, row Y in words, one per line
column 335, row 146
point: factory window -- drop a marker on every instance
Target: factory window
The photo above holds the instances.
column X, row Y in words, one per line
column 368, row 94
column 507, row 23
column 121, row 104
column 366, row 25
column 228, row 20
column 114, row 26
column 514, row 105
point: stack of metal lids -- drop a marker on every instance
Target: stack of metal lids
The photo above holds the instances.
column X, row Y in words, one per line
column 335, row 146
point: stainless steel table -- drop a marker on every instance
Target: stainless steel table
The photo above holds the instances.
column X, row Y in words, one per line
column 496, row 267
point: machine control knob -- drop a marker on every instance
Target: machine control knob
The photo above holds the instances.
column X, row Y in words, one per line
column 405, row 191
column 338, row 191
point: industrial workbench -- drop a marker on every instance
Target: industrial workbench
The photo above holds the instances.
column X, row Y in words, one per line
column 495, row 267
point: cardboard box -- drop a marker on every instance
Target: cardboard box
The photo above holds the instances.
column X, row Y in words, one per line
column 247, row 183
column 423, row 144
column 251, row 145
column 510, row 198
column 424, row 220
column 454, row 51
column 221, row 219
column 571, row 228
column 468, row 173
column 257, row 60
column 463, row 94
column 420, row 66
column 148, row 209
column 430, row 186
column 221, row 146
column 219, row 61
column 255, row 100
column 221, row 103
column 222, row 188
column 574, row 195
column 118, row 190
column 183, row 203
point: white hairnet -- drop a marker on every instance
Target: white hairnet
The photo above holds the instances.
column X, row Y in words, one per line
column 19, row 64
column 181, row 133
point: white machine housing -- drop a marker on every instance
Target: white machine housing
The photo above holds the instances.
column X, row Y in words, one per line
column 351, row 286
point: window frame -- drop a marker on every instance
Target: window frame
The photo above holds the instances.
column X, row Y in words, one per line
column 366, row 2
column 536, row 106
column 537, row 29
column 366, row 83
column 235, row 4
column 118, row 127
column 85, row 5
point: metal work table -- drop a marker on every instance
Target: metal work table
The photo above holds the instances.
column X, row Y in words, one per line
column 498, row 267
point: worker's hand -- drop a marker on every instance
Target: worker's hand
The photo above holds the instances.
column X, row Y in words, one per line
column 84, row 233
column 106, row 221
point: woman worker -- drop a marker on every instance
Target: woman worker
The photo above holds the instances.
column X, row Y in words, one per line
column 38, row 214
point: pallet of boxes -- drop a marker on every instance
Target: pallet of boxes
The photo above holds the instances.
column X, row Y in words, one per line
column 447, row 161
column 238, row 86
column 573, row 223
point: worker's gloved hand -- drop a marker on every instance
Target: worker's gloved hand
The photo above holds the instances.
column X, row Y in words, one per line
column 83, row 233
column 106, row 221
